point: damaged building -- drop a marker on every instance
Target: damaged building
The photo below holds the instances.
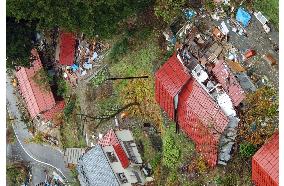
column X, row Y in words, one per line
column 200, row 93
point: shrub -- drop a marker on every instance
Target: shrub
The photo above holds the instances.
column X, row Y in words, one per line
column 16, row 173
column 218, row 180
column 168, row 9
column 209, row 5
column 156, row 160
column 38, row 138
column 61, row 87
column 201, row 165
column 69, row 107
column 247, row 149
column 230, row 180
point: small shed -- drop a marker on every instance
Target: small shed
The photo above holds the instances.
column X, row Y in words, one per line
column 265, row 163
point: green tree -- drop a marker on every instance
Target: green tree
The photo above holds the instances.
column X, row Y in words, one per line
column 62, row 87
column 169, row 9
column 90, row 17
column 20, row 36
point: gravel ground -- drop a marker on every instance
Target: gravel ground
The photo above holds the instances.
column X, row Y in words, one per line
column 262, row 43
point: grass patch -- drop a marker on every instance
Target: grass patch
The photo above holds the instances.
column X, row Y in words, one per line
column 270, row 8
column 100, row 77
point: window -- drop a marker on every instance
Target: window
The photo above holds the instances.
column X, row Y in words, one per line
column 122, row 178
column 111, row 156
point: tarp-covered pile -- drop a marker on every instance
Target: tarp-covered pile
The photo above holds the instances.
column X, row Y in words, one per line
column 243, row 17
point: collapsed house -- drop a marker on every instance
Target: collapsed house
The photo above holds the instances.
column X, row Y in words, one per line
column 200, row 93
column 265, row 163
column 40, row 103
column 115, row 160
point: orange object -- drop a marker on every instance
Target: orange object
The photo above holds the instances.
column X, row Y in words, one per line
column 123, row 115
column 250, row 53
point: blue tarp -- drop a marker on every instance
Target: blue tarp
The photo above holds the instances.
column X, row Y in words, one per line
column 74, row 67
column 243, row 17
column 189, row 14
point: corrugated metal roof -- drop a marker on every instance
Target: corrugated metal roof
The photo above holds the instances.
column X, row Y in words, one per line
column 67, row 48
column 49, row 115
column 229, row 82
column 94, row 169
column 205, row 108
column 267, row 157
column 169, row 80
column 199, row 116
column 37, row 100
column 110, row 139
column 121, row 155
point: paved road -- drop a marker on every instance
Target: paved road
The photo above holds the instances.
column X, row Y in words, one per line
column 15, row 153
column 44, row 155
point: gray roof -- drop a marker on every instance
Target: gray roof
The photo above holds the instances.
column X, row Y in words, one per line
column 95, row 170
column 245, row 82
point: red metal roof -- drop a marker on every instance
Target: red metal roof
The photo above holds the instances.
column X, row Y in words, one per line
column 49, row 115
column 110, row 139
column 229, row 82
column 199, row 117
column 37, row 100
column 265, row 167
column 67, row 48
column 169, row 80
column 198, row 101
column 121, row 155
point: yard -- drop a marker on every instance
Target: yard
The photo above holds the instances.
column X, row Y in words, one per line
column 270, row 9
